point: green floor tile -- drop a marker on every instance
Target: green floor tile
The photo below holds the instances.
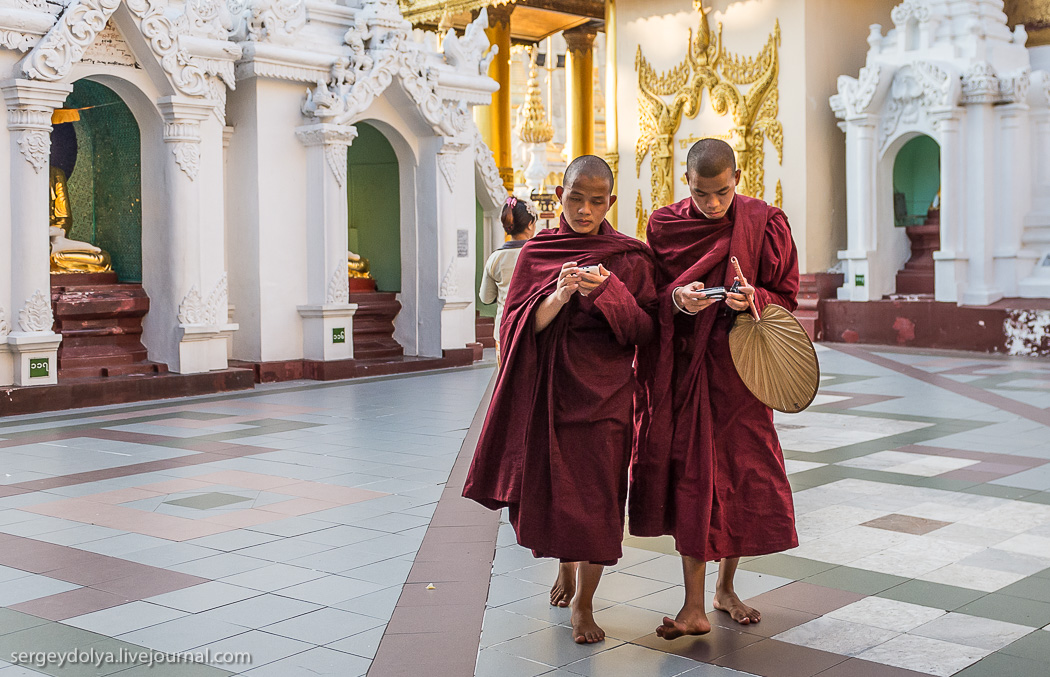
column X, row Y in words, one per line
column 859, row 581
column 1002, row 665
column 1034, row 647
column 936, row 595
column 1032, row 587
column 14, row 621
column 1042, row 497
column 1009, row 609
column 945, row 484
column 999, row 491
column 60, row 639
column 787, row 566
column 1045, row 573
column 212, row 499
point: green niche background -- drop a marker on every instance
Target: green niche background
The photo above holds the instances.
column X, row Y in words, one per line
column 374, row 194
column 485, row 309
column 917, row 174
column 105, row 189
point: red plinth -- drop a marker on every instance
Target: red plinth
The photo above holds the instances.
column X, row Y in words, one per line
column 101, row 326
column 374, row 325
column 362, row 284
column 917, row 276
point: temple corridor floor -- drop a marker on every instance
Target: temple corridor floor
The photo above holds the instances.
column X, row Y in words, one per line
column 318, row 529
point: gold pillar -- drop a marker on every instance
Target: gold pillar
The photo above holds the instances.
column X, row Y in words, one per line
column 612, row 140
column 579, row 90
column 496, row 128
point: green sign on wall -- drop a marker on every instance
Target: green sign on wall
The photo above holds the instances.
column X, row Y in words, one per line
column 338, row 334
column 39, row 367
column 859, row 280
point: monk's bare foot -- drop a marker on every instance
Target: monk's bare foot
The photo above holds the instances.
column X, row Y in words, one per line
column 740, row 612
column 564, row 587
column 584, row 629
column 689, row 621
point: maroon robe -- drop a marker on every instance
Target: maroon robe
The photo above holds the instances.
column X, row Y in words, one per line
column 707, row 466
column 556, row 443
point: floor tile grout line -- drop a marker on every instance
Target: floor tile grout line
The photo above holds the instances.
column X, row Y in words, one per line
column 392, row 658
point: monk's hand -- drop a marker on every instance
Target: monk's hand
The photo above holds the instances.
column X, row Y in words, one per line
column 739, row 300
column 590, row 281
column 568, row 283
column 691, row 299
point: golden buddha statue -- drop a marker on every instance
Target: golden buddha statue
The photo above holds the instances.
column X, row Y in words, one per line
column 357, row 266
column 70, row 256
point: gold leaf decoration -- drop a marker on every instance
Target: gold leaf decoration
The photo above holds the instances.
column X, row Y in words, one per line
column 709, row 67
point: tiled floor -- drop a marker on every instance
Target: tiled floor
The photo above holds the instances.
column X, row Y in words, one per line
column 318, row 529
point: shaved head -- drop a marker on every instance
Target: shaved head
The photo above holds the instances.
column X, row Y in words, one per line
column 590, row 166
column 709, row 158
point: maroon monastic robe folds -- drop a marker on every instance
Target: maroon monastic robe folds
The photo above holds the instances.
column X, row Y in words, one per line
column 556, row 443
column 707, row 466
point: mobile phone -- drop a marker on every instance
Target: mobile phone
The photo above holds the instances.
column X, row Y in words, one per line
column 715, row 293
column 593, row 270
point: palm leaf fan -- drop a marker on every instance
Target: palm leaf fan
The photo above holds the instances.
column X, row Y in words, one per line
column 773, row 355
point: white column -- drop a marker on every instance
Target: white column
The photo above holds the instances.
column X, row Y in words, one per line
column 187, row 286
column 32, row 343
column 861, row 173
column 1036, row 236
column 456, row 242
column 1012, row 197
column 328, row 315
column 950, row 261
column 980, row 167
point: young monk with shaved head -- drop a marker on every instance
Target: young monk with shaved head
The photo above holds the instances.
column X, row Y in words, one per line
column 708, row 468
column 556, row 443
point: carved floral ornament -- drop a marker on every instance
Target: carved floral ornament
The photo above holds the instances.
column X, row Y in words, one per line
column 339, row 286
column 488, row 171
column 5, row 328
column 195, row 311
column 35, row 315
column 378, row 53
column 709, row 67
column 82, row 21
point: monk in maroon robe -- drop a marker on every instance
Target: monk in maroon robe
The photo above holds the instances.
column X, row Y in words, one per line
column 707, row 467
column 556, row 444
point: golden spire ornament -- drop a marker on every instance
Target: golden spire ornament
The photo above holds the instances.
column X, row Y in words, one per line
column 535, row 128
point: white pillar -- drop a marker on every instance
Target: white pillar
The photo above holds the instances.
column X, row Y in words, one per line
column 328, row 315
column 32, row 343
column 1012, row 197
column 981, row 169
column 456, row 243
column 950, row 260
column 188, row 290
column 861, row 173
column 1036, row 237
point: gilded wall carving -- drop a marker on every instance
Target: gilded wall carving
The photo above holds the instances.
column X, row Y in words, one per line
column 709, row 67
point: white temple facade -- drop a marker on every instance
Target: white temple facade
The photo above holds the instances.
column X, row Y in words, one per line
column 245, row 111
column 952, row 71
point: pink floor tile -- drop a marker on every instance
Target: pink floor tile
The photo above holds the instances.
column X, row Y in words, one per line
column 329, row 492
column 124, row 495
column 299, row 506
column 69, row 604
column 241, row 519
column 246, row 480
column 176, row 486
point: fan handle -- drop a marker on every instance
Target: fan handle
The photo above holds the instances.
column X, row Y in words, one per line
column 743, row 280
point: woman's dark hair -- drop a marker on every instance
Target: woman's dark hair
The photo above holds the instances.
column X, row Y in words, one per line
column 515, row 217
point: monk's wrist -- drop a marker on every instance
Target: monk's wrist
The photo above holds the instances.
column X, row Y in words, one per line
column 680, row 307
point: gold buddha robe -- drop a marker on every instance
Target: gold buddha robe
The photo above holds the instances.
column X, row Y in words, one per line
column 70, row 256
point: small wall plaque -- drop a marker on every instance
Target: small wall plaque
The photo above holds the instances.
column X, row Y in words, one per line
column 338, row 334
column 462, row 243
column 39, row 367
column 859, row 280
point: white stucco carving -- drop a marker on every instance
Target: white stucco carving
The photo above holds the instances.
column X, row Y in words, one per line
column 197, row 311
column 187, row 157
column 5, row 328
column 35, row 146
column 65, row 43
column 36, row 315
column 449, row 284
column 916, row 87
column 488, row 172
column 339, row 286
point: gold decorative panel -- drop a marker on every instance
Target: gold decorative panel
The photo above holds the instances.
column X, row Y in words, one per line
column 1034, row 14
column 709, row 67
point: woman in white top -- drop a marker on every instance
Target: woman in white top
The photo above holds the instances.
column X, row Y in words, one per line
column 519, row 220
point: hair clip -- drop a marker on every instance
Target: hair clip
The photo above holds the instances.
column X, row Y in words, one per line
column 512, row 201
